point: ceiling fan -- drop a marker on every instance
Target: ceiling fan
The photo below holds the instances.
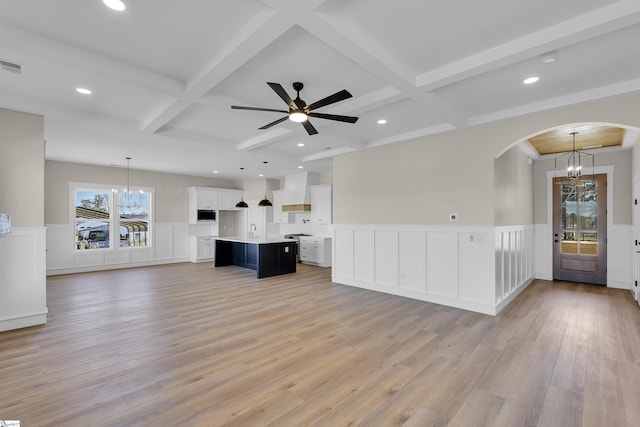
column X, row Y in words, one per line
column 299, row 111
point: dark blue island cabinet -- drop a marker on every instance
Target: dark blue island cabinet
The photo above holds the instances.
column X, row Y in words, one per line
column 269, row 257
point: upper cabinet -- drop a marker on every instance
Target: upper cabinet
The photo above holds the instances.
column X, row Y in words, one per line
column 321, row 204
column 206, row 199
column 211, row 199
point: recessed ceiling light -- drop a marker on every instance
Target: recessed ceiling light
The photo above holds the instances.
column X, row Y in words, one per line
column 115, row 5
column 261, row 174
column 531, row 80
column 300, row 144
column 83, row 91
column 382, row 122
column 216, row 172
column 300, row 167
column 549, row 57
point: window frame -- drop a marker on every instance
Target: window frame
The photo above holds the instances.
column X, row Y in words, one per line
column 114, row 215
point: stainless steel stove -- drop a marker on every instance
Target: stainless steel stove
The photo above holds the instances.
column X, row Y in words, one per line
column 296, row 237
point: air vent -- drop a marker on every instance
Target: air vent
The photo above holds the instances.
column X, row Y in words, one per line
column 10, row 66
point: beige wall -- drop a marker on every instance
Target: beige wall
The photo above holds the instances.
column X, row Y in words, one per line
column 256, row 188
column 422, row 181
column 622, row 185
column 513, row 188
column 171, row 196
column 22, row 168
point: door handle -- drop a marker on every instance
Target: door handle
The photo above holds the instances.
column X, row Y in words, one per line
column 556, row 240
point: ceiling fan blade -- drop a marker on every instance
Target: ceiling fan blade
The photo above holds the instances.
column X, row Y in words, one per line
column 274, row 123
column 348, row 119
column 309, row 127
column 277, row 88
column 237, row 107
column 336, row 97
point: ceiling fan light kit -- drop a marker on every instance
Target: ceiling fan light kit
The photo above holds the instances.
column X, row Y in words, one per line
column 299, row 111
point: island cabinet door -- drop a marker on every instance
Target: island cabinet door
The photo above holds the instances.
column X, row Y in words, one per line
column 276, row 259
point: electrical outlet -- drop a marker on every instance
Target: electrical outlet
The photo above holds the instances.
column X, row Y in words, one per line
column 454, row 217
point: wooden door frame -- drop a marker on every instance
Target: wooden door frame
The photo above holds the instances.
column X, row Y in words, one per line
column 608, row 170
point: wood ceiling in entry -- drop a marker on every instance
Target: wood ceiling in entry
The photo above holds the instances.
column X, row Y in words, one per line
column 587, row 137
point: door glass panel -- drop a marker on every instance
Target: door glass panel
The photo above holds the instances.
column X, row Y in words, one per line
column 579, row 219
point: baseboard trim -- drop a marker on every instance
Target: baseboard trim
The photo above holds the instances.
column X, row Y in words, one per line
column 477, row 307
column 618, row 284
column 543, row 276
column 505, row 302
column 23, row 321
column 88, row 269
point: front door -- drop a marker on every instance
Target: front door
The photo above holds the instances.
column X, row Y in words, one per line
column 580, row 230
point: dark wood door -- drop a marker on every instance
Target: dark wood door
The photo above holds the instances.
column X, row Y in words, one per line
column 580, row 230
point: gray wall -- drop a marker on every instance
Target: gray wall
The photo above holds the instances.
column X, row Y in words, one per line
column 622, row 185
column 513, row 188
column 422, row 181
column 22, row 168
column 171, row 196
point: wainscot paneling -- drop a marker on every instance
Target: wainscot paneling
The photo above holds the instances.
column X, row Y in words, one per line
column 543, row 251
column 169, row 245
column 514, row 253
column 23, row 295
column 458, row 267
column 620, row 256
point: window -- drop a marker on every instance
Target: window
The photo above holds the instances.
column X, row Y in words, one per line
column 134, row 219
column 109, row 219
column 93, row 219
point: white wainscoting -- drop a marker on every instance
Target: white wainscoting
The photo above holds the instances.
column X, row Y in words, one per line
column 170, row 244
column 23, row 289
column 619, row 254
column 443, row 265
column 514, row 255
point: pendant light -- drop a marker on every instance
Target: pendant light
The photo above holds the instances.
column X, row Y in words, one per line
column 571, row 164
column 265, row 201
column 242, row 203
column 131, row 206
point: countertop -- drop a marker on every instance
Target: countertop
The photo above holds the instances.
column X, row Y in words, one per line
column 255, row 240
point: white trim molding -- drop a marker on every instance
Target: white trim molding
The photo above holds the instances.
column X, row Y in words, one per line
column 23, row 279
column 453, row 266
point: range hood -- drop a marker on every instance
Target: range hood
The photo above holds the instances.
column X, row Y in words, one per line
column 296, row 192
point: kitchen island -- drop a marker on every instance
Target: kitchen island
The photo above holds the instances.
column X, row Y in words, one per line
column 268, row 256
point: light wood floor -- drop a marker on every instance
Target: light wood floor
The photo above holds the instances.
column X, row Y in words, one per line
column 188, row 345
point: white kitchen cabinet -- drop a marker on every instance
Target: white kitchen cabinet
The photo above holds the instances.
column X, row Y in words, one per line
column 201, row 198
column 227, row 199
column 201, row 248
column 321, row 204
column 206, row 199
column 315, row 250
column 279, row 217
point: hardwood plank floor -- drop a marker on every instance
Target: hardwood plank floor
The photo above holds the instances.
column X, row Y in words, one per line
column 186, row 344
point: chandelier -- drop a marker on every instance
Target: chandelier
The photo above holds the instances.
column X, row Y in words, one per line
column 571, row 164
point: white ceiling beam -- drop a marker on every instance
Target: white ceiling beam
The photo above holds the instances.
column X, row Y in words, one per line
column 601, row 21
column 432, row 130
column 254, row 36
column 328, row 153
column 354, row 45
column 263, row 139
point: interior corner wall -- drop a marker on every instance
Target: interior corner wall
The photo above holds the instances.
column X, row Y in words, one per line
column 513, row 188
column 415, row 183
column 23, row 300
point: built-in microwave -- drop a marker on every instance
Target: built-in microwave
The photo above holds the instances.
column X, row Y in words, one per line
column 206, row 215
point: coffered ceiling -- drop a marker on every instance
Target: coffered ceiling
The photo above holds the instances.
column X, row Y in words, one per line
column 163, row 74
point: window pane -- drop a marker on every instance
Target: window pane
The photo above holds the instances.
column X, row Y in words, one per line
column 93, row 210
column 134, row 219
